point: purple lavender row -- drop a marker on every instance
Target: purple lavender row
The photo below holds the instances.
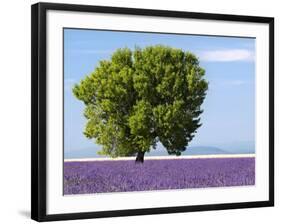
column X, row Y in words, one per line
column 124, row 176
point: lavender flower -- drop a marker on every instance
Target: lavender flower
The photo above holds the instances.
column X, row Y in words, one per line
column 124, row 176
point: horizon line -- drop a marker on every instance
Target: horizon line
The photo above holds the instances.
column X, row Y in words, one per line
column 211, row 156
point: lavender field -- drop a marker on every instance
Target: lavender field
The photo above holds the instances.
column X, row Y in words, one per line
column 123, row 176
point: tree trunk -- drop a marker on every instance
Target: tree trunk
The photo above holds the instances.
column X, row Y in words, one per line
column 140, row 157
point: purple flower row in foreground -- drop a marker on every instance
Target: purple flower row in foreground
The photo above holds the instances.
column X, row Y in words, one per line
column 122, row 176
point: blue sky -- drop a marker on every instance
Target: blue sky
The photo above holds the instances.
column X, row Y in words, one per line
column 229, row 108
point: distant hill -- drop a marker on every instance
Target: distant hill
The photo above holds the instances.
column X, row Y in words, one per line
column 193, row 150
column 238, row 147
column 83, row 153
column 204, row 150
column 161, row 151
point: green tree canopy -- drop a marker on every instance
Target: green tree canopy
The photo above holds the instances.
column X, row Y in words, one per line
column 137, row 98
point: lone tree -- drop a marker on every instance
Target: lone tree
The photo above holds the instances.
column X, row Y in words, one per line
column 137, row 98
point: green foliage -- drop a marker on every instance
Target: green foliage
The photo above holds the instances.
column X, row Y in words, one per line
column 140, row 97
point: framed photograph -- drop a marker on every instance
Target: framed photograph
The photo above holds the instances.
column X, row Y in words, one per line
column 141, row 111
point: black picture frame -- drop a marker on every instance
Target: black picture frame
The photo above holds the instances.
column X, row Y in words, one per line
column 39, row 108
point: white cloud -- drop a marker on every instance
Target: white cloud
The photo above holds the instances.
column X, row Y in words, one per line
column 227, row 55
column 69, row 80
column 228, row 83
column 69, row 84
column 235, row 83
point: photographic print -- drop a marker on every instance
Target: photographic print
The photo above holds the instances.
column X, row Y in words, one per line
column 157, row 111
column 145, row 111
